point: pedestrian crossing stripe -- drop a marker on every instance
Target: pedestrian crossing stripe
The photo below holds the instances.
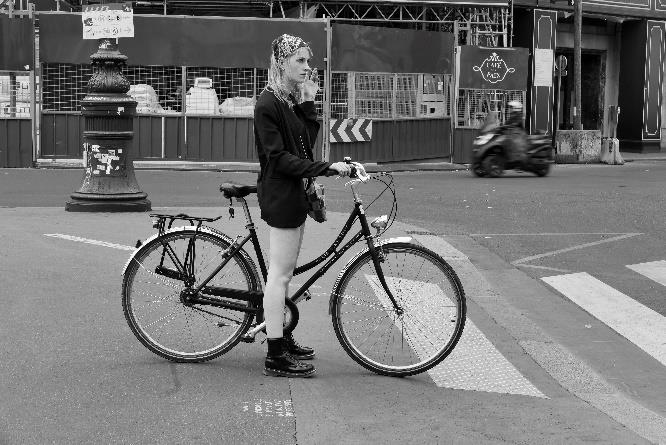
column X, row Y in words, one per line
column 350, row 130
column 637, row 323
column 654, row 270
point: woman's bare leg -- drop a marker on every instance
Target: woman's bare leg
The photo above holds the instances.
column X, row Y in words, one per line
column 284, row 248
column 285, row 244
column 299, row 352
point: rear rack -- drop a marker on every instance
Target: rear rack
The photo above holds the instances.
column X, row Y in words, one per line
column 164, row 221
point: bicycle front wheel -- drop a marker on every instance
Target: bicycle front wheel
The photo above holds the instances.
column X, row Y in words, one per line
column 384, row 339
column 154, row 296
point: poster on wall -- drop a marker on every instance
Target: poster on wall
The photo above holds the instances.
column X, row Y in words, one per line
column 493, row 68
column 543, row 67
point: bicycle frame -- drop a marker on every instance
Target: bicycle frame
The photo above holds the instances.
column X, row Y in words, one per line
column 332, row 254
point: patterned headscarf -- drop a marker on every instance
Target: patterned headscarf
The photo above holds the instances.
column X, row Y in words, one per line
column 282, row 47
column 286, row 45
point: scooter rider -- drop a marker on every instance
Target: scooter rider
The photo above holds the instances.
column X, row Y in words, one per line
column 515, row 133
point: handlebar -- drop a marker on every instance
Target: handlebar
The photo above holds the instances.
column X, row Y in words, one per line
column 357, row 171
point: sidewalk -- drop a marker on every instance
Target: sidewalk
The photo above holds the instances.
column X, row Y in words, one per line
column 406, row 166
column 630, row 157
column 428, row 165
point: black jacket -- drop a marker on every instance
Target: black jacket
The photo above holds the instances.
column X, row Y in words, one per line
column 284, row 139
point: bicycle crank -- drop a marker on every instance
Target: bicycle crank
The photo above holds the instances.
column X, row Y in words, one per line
column 291, row 316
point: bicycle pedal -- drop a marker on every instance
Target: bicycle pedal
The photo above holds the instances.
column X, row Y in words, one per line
column 247, row 339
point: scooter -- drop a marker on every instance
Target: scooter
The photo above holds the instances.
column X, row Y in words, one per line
column 490, row 154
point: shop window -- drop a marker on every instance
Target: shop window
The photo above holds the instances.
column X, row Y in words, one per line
column 389, row 95
column 474, row 105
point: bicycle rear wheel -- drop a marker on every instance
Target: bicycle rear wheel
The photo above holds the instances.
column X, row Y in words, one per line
column 371, row 330
column 154, row 304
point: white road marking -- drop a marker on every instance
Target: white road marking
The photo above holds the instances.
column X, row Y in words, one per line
column 634, row 321
column 534, row 266
column 270, row 408
column 89, row 241
column 475, row 364
column 548, row 234
column 576, row 247
column 654, row 270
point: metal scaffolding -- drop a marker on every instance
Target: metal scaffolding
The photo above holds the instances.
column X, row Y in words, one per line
column 473, row 22
column 481, row 26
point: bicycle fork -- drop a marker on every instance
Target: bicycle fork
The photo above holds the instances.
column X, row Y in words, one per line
column 377, row 258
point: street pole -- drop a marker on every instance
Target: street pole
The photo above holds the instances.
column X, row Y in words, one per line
column 556, row 108
column 578, row 27
column 108, row 183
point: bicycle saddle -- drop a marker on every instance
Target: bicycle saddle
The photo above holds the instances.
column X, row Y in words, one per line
column 237, row 190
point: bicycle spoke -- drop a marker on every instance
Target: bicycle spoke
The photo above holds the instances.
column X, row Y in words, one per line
column 156, row 298
column 170, row 316
column 162, row 278
column 370, row 336
column 356, row 301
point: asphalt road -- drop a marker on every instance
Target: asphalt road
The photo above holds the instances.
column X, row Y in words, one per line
column 516, row 216
column 73, row 372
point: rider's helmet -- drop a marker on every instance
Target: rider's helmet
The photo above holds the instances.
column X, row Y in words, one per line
column 514, row 113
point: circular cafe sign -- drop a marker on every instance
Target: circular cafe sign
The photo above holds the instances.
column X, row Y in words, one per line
column 493, row 69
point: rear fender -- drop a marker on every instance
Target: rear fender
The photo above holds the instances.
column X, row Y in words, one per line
column 202, row 229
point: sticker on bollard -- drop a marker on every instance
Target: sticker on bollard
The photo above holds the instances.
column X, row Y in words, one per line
column 106, row 161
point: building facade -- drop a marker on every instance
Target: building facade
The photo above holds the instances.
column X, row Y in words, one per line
column 622, row 67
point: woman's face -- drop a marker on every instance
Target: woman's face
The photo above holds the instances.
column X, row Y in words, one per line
column 297, row 67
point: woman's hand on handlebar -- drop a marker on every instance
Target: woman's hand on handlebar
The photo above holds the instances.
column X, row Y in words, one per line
column 341, row 168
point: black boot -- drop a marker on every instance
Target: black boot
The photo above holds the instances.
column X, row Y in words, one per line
column 297, row 351
column 280, row 363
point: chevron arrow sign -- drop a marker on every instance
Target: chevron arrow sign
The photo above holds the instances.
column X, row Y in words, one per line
column 351, row 130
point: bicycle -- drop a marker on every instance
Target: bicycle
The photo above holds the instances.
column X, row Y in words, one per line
column 192, row 293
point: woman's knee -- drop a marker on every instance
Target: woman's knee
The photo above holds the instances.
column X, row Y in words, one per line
column 279, row 277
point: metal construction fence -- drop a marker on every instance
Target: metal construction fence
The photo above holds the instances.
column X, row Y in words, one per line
column 396, row 83
column 232, row 92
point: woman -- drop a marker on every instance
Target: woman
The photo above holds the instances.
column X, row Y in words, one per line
column 285, row 127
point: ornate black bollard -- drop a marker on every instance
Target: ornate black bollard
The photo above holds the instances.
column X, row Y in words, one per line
column 109, row 183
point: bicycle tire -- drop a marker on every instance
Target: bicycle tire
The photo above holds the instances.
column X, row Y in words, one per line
column 155, row 312
column 371, row 331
